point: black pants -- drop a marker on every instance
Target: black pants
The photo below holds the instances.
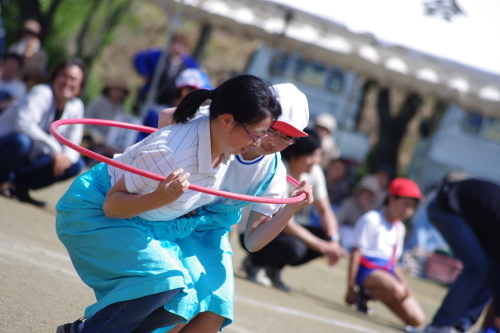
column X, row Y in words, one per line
column 285, row 250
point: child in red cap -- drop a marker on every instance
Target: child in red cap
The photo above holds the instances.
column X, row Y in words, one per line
column 378, row 244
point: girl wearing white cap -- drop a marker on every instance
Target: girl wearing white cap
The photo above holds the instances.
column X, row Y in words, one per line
column 255, row 167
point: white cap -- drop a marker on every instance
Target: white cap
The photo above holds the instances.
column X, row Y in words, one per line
column 327, row 121
column 295, row 111
column 190, row 77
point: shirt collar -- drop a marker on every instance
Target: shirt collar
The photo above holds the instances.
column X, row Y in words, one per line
column 204, row 148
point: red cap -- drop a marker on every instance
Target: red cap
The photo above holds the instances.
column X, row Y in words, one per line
column 404, row 187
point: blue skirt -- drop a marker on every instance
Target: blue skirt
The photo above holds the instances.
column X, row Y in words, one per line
column 123, row 259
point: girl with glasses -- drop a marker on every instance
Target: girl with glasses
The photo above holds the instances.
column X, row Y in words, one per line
column 122, row 230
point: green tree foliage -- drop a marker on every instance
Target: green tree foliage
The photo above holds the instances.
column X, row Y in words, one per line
column 70, row 27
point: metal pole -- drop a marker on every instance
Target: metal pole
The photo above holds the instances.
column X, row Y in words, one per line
column 176, row 20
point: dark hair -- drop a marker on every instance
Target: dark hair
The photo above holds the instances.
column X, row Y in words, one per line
column 248, row 98
column 386, row 200
column 181, row 38
column 385, row 168
column 303, row 146
column 65, row 64
column 14, row 56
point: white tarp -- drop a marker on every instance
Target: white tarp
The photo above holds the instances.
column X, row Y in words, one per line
column 332, row 43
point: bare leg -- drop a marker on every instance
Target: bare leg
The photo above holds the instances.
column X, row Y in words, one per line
column 389, row 290
column 177, row 328
column 205, row 322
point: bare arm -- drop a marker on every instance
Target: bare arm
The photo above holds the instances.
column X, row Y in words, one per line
column 261, row 229
column 120, row 203
column 332, row 250
column 352, row 296
column 327, row 217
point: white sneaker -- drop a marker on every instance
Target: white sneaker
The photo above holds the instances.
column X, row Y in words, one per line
column 262, row 278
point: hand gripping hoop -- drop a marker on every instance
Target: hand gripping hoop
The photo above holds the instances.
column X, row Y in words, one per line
column 151, row 175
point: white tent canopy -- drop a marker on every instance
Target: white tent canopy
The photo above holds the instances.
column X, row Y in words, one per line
column 332, row 43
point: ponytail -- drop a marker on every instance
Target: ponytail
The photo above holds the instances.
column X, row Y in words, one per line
column 248, row 98
column 187, row 108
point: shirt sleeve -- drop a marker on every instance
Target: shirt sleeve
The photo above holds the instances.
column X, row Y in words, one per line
column 276, row 189
column 318, row 182
column 74, row 132
column 30, row 114
column 362, row 232
column 156, row 158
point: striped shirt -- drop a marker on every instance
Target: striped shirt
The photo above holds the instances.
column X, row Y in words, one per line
column 185, row 146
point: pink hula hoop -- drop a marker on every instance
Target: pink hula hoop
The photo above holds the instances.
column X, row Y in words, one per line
column 151, row 175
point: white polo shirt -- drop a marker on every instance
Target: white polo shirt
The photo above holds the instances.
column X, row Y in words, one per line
column 185, row 146
column 243, row 177
column 376, row 237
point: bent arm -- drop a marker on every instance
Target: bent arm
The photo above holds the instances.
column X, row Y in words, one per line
column 120, row 203
column 261, row 229
column 351, row 294
column 298, row 231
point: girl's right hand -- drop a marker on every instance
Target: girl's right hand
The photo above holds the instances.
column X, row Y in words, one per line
column 302, row 188
column 175, row 185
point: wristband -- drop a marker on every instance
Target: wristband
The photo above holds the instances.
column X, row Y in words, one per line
column 335, row 238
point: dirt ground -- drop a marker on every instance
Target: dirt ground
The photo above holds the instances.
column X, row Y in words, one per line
column 39, row 288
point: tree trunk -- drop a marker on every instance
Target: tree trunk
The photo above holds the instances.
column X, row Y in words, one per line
column 366, row 88
column 199, row 51
column 392, row 129
column 30, row 9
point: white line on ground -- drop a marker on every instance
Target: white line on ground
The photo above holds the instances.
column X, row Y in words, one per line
column 306, row 315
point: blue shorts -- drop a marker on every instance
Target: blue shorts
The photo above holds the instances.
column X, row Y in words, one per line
column 364, row 271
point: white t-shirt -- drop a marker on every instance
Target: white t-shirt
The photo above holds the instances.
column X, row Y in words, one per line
column 34, row 114
column 244, row 176
column 376, row 237
column 185, row 146
column 316, row 178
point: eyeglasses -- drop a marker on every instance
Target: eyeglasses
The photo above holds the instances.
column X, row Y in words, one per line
column 283, row 138
column 255, row 138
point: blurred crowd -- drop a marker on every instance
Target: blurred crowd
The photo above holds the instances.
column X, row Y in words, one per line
column 32, row 98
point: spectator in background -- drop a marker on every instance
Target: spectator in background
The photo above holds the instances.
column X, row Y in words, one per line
column 338, row 182
column 107, row 106
column 31, row 157
column 385, row 174
column 362, row 201
column 325, row 124
column 178, row 60
column 468, row 212
column 378, row 243
column 12, row 88
column 300, row 242
column 32, row 79
column 188, row 80
column 29, row 46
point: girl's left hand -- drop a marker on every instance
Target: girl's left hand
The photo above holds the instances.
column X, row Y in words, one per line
column 303, row 188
